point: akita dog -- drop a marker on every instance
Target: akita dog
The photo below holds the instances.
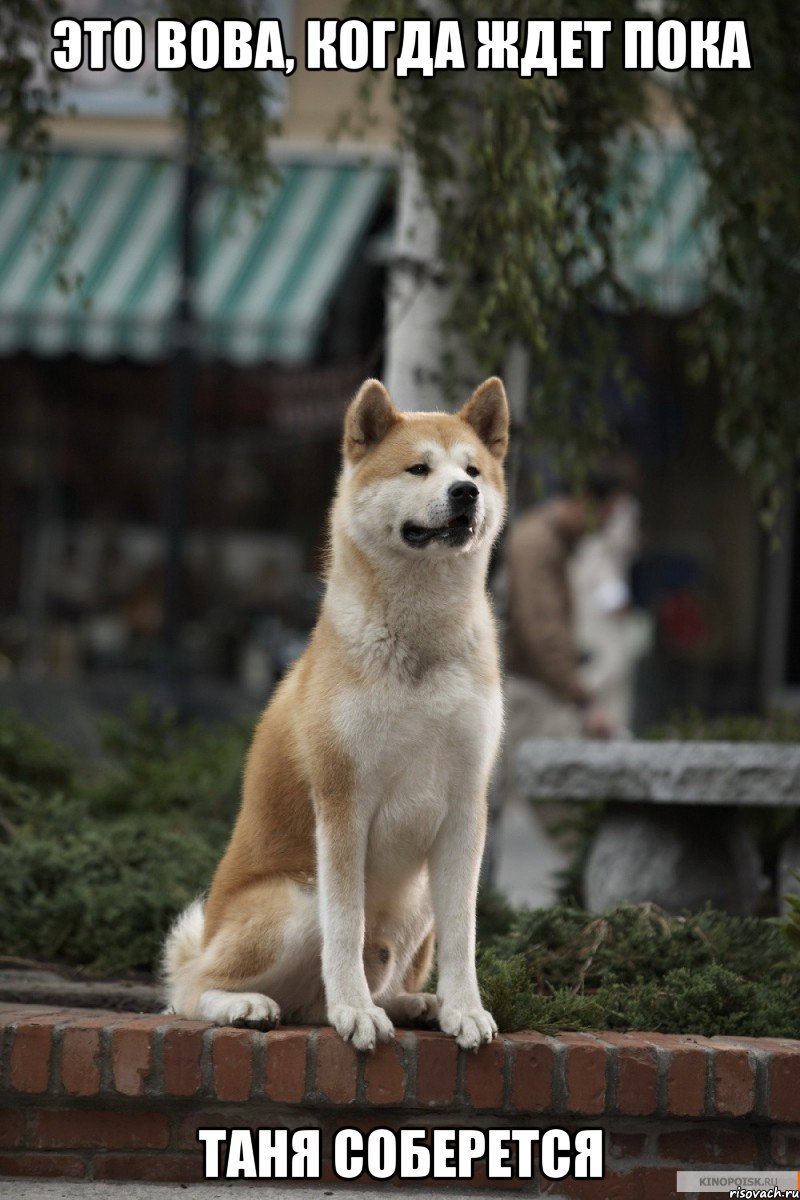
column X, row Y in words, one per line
column 364, row 799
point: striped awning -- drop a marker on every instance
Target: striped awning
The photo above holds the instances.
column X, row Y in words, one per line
column 89, row 257
column 663, row 245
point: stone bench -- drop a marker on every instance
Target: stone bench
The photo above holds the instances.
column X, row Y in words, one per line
column 672, row 832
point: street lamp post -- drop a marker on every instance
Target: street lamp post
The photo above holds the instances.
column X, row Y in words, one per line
column 182, row 383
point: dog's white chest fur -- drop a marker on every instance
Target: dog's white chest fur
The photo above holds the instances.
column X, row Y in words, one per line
column 414, row 749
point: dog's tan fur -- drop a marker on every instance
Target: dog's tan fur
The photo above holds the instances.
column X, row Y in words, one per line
column 348, row 841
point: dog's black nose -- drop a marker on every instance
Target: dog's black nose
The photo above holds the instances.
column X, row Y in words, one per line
column 462, row 494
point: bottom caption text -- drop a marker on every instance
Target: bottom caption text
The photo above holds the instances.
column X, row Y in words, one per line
column 404, row 1153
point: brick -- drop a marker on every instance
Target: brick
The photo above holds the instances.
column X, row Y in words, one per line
column 31, row 1054
column 644, row 1183
column 42, row 1166
column 752, row 1043
column 131, row 1058
column 437, row 1064
column 709, row 1147
column 785, row 1148
column 733, row 1083
column 625, row 1145
column 12, row 1128
column 770, row 1044
column 784, row 1085
column 585, row 1074
column 687, row 1072
column 79, row 1129
column 186, row 1138
column 480, row 1179
column 182, row 1053
column 78, row 1017
column 656, row 1183
column 332, row 1122
column 422, row 1186
column 232, row 1063
column 326, row 1175
column 532, row 1064
column 285, row 1078
column 80, row 1061
column 611, row 1187
column 337, row 1068
column 153, row 1168
column 11, row 1013
column 484, row 1082
column 637, row 1074
column 385, row 1073
column 89, row 1019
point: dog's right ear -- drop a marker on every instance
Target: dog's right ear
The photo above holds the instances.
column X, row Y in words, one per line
column 369, row 418
column 487, row 412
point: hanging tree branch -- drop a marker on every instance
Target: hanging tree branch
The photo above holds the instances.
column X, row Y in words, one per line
column 534, row 180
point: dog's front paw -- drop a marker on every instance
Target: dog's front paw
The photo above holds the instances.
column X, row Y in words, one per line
column 413, row 1006
column 361, row 1026
column 249, row 1009
column 469, row 1026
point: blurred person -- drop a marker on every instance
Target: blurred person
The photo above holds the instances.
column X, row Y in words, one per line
column 611, row 634
column 547, row 695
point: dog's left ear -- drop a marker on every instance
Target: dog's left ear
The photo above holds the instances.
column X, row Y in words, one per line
column 487, row 412
column 369, row 418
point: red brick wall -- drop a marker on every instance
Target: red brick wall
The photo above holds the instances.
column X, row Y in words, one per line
column 119, row 1096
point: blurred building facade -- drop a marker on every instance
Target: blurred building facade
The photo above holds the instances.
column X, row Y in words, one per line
column 289, row 317
column 291, row 313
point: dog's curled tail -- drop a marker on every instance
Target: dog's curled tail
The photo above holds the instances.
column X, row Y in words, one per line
column 182, row 950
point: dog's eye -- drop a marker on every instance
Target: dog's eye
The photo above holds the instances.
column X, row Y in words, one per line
column 472, row 471
column 419, row 469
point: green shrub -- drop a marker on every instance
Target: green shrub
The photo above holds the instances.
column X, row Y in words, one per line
column 692, row 725
column 95, row 863
column 792, row 922
column 637, row 968
column 567, row 947
column 100, row 894
column 30, row 756
column 710, row 1002
column 160, row 765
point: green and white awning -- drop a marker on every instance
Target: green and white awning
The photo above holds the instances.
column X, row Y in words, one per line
column 89, row 251
column 663, row 246
column 88, row 257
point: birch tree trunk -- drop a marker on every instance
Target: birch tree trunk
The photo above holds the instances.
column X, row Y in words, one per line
column 417, row 300
column 419, row 291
